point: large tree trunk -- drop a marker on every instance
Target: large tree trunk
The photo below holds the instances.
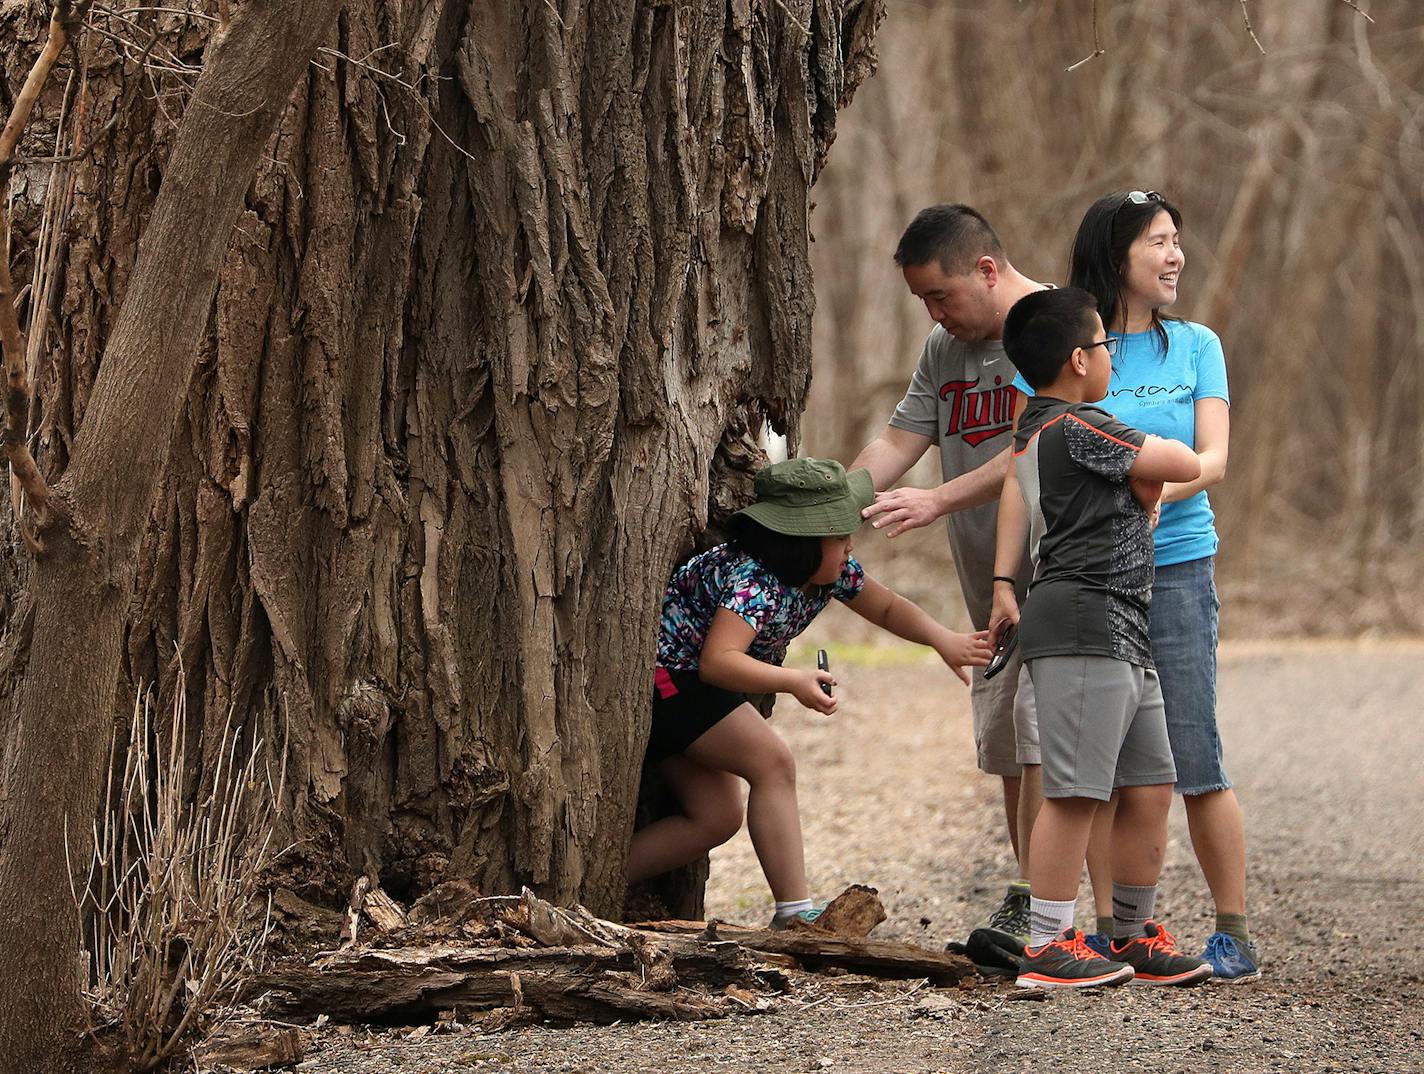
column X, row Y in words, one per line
column 507, row 300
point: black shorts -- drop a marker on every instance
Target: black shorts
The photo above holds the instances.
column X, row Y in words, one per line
column 684, row 709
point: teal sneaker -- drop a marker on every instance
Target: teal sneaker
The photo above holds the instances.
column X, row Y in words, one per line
column 1231, row 961
column 779, row 923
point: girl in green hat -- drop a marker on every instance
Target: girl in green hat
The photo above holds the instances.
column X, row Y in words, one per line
column 728, row 616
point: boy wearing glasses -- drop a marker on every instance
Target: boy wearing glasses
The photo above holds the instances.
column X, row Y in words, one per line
column 1085, row 479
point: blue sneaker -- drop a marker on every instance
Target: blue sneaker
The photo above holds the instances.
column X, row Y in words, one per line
column 1231, row 961
column 1099, row 942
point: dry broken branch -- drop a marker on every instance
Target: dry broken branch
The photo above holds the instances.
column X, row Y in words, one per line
column 1097, row 45
column 1354, row 4
column 64, row 20
column 351, row 926
column 1246, row 18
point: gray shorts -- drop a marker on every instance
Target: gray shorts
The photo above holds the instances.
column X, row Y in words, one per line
column 1005, row 720
column 1102, row 726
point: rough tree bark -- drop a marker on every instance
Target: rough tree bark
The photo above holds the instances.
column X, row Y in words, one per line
column 512, row 291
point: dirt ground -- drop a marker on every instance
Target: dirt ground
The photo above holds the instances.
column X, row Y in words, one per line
column 1324, row 742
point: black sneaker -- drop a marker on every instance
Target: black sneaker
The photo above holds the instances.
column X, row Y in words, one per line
column 1155, row 960
column 1068, row 962
column 1012, row 914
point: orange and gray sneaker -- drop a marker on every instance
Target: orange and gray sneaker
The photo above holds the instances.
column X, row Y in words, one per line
column 1067, row 962
column 1155, row 960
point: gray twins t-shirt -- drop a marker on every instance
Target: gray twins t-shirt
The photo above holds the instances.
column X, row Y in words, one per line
column 962, row 397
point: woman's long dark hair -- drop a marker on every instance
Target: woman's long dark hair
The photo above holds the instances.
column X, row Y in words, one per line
column 792, row 559
column 1109, row 227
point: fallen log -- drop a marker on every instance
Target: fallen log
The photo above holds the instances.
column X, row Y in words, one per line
column 814, row 949
column 590, row 983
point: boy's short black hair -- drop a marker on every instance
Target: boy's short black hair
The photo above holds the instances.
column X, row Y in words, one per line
column 1044, row 328
column 792, row 559
column 956, row 236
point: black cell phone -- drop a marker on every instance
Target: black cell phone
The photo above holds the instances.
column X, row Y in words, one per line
column 1008, row 641
column 824, row 664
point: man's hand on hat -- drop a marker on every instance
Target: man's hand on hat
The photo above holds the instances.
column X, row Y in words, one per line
column 904, row 508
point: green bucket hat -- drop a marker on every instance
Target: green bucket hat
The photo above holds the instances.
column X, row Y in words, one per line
column 811, row 498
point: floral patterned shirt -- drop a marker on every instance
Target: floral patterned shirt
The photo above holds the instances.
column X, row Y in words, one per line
column 726, row 577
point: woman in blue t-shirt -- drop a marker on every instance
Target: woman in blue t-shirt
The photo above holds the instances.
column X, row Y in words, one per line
column 1169, row 378
column 728, row 616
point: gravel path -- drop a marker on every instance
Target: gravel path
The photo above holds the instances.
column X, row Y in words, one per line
column 1324, row 743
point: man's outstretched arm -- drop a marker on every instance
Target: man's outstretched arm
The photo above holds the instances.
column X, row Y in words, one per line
column 889, row 457
column 891, row 454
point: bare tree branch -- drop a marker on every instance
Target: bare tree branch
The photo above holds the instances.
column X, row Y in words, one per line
column 1097, row 45
column 413, row 88
column 1355, row 4
column 1246, row 18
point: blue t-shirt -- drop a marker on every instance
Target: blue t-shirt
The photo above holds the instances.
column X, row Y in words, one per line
column 1157, row 393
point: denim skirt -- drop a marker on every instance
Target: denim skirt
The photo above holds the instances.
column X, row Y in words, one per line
column 1184, row 630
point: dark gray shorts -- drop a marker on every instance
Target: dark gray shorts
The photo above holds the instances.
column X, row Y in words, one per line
column 1101, row 725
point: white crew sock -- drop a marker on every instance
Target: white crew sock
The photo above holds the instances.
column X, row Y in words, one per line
column 787, row 910
column 1048, row 919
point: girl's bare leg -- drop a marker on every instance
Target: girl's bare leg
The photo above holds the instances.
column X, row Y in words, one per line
column 744, row 744
column 712, row 807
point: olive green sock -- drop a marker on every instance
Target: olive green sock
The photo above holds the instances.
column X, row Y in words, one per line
column 1234, row 925
column 1105, row 925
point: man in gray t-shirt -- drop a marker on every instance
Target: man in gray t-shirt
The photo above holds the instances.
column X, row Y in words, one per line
column 961, row 399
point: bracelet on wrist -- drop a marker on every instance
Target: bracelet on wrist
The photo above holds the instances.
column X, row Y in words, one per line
column 1006, row 578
